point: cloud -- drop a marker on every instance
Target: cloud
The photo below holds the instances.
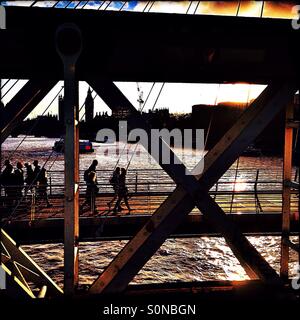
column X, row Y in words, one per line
column 131, row 5
column 62, row 4
column 93, row 4
column 16, row 3
column 46, row 4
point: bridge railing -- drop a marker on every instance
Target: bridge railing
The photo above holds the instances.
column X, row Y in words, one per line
column 250, row 191
column 156, row 180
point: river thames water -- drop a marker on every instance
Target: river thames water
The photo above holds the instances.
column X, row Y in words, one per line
column 178, row 259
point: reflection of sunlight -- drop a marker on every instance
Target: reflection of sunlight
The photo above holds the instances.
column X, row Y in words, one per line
column 240, row 186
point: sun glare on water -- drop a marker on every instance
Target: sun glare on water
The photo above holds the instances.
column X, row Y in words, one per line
column 240, row 186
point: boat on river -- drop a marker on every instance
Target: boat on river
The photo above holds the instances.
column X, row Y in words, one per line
column 85, row 146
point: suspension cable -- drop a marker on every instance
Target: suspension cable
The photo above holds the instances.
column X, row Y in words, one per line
column 33, row 3
column 234, row 185
column 211, row 117
column 10, row 89
column 103, row 2
column 151, row 6
column 196, row 7
column 84, row 5
column 147, row 97
column 123, row 5
column 238, row 8
column 5, row 83
column 34, row 125
column 159, row 93
column 188, row 9
column 109, row 3
column 134, row 151
column 262, row 9
column 69, row 2
column 76, row 5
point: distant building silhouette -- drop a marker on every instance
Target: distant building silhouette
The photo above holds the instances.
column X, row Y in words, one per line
column 89, row 107
column 61, row 109
column 163, row 113
column 121, row 113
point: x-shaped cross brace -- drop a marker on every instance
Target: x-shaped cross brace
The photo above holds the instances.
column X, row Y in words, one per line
column 193, row 190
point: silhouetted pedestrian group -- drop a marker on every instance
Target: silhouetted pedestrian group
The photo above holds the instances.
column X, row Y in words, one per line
column 118, row 183
column 17, row 183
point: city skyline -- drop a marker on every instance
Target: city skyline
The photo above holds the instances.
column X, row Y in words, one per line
column 177, row 97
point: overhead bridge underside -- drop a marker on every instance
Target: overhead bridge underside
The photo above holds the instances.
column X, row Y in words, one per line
column 132, row 46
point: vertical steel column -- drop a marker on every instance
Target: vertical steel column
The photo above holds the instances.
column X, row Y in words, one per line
column 1, row 119
column 286, row 192
column 68, row 41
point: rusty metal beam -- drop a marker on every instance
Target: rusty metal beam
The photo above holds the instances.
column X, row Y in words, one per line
column 295, row 247
column 286, row 193
column 172, row 211
column 20, row 106
column 68, row 40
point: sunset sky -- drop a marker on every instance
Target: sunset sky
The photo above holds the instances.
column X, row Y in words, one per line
column 176, row 97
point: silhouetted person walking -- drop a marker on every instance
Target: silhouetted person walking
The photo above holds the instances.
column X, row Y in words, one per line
column 91, row 191
column 19, row 181
column 36, row 171
column 7, row 181
column 90, row 178
column 29, row 180
column 29, row 175
column 92, row 167
column 122, row 192
column 114, row 181
column 43, row 186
